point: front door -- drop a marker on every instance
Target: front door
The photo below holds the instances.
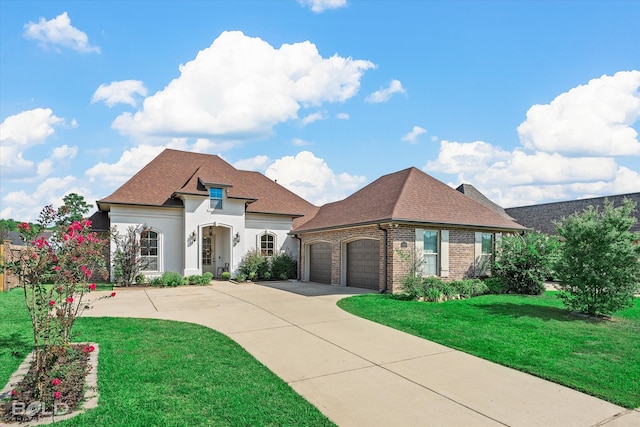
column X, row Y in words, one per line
column 208, row 255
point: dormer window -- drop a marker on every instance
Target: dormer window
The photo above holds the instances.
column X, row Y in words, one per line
column 215, row 198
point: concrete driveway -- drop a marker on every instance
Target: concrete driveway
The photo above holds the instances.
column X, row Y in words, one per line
column 360, row 373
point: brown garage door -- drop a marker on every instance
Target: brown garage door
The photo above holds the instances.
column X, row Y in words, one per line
column 320, row 262
column 363, row 264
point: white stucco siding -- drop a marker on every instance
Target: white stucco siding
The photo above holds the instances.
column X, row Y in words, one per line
column 226, row 222
column 278, row 225
column 167, row 222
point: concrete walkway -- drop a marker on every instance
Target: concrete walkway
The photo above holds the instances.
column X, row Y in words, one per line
column 360, row 373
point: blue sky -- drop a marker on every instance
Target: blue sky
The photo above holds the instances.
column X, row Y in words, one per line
column 529, row 101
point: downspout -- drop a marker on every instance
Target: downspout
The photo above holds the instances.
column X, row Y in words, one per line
column 384, row 258
column 295, row 236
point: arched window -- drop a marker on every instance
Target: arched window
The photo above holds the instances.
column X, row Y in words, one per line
column 149, row 250
column 267, row 244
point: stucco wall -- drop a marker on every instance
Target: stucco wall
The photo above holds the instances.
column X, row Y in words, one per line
column 166, row 222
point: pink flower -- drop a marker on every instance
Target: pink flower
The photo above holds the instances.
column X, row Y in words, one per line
column 13, row 392
column 88, row 349
column 52, row 303
column 56, row 395
column 55, row 381
column 56, row 268
column 24, row 226
column 92, row 287
column 69, row 300
column 59, row 288
column 113, row 294
column 41, row 242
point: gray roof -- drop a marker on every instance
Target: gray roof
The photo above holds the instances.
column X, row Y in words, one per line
column 472, row 192
column 543, row 217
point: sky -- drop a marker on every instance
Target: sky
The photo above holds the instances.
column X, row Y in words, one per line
column 529, row 101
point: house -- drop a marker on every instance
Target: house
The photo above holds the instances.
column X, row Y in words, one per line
column 366, row 239
column 543, row 217
column 202, row 214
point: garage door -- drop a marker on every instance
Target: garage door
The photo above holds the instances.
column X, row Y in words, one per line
column 320, row 262
column 363, row 264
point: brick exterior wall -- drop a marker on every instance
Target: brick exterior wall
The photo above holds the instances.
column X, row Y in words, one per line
column 400, row 239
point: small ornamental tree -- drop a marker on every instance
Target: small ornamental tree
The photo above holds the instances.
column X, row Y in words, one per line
column 599, row 265
column 524, row 262
column 128, row 261
column 54, row 273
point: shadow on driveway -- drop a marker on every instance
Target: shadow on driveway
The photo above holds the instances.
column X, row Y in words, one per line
column 312, row 289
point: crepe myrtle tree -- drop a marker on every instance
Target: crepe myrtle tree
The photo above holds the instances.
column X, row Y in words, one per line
column 54, row 270
column 599, row 265
column 128, row 261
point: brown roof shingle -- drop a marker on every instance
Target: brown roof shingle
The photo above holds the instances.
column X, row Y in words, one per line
column 175, row 172
column 409, row 195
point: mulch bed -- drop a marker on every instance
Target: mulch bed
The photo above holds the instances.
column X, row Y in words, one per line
column 64, row 386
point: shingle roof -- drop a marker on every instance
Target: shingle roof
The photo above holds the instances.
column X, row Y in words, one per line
column 542, row 217
column 472, row 192
column 408, row 195
column 176, row 172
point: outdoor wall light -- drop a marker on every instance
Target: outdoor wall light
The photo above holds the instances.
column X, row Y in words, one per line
column 236, row 238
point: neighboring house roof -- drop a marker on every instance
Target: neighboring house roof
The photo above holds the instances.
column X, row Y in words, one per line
column 542, row 217
column 100, row 221
column 409, row 195
column 472, row 192
column 174, row 173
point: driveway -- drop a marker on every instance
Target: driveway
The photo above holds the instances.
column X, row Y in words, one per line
column 360, row 373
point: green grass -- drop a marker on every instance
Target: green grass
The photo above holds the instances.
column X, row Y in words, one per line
column 157, row 372
column 532, row 334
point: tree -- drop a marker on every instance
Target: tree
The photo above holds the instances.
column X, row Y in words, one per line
column 128, row 261
column 599, row 266
column 524, row 262
column 74, row 209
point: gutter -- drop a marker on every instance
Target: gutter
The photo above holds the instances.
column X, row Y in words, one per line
column 384, row 258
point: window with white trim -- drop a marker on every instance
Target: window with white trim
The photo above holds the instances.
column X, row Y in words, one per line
column 430, row 252
column 215, row 198
column 149, row 250
column 487, row 244
column 267, row 244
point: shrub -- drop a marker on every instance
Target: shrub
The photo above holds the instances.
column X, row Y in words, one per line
column 495, row 285
column 240, row 277
column 599, row 266
column 284, row 266
column 469, row 287
column 225, row 275
column 523, row 262
column 156, row 281
column 141, row 279
column 172, row 279
column 207, row 277
column 251, row 263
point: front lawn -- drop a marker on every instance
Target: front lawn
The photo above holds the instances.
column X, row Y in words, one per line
column 532, row 334
column 158, row 372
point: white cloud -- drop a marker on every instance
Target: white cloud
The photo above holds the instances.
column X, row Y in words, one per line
column 342, row 116
column 18, row 133
column 58, row 32
column 241, row 87
column 593, row 119
column 26, row 206
column 311, row 178
column 412, row 137
column 383, row 95
column 131, row 161
column 121, row 92
column 257, row 163
column 466, row 157
column 319, row 6
column 300, row 142
column 58, row 155
column 314, row 117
